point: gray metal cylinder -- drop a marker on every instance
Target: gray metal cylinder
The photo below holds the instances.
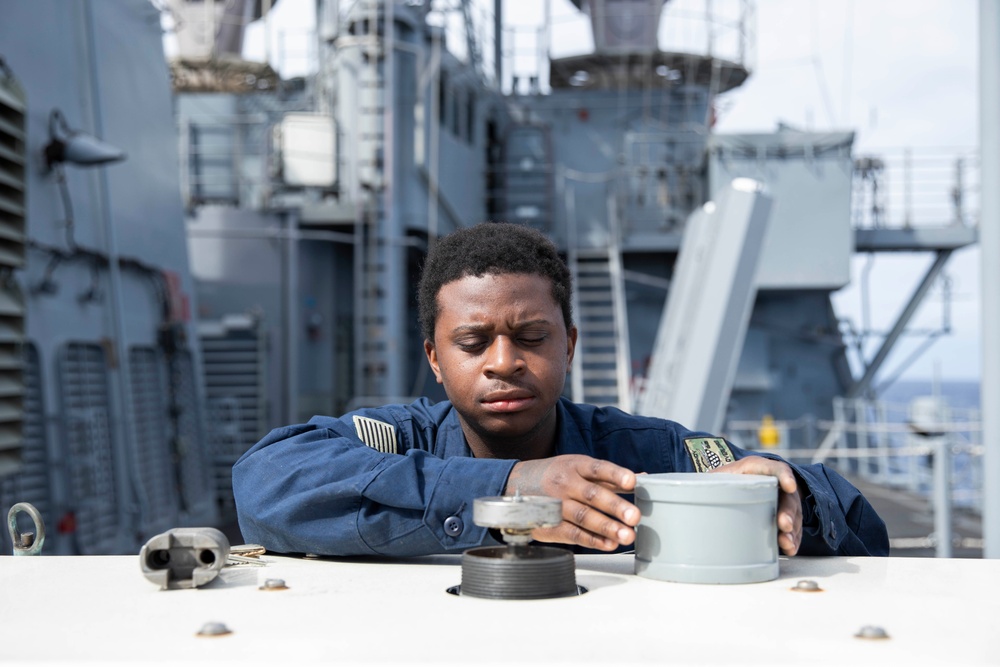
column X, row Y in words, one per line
column 707, row 528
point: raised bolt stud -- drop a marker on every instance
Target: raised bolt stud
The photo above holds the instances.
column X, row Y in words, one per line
column 872, row 632
column 807, row 586
column 274, row 585
column 214, row 629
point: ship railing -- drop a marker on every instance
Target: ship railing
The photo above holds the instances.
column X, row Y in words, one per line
column 713, row 29
column 224, row 160
column 893, row 447
column 895, row 454
column 915, row 187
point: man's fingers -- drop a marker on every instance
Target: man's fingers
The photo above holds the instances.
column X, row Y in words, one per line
column 758, row 465
column 567, row 533
column 789, row 545
column 595, row 522
column 594, row 515
column 607, row 473
column 585, row 526
column 789, row 512
column 789, row 519
column 790, row 522
column 593, row 496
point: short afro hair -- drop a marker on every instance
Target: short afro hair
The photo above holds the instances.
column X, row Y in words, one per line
column 495, row 248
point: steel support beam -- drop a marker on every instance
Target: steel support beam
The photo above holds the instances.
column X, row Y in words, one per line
column 862, row 385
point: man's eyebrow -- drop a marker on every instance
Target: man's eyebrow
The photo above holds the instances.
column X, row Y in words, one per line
column 471, row 328
column 477, row 328
column 530, row 323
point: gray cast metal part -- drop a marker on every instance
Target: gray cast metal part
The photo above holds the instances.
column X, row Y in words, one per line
column 517, row 512
column 184, row 557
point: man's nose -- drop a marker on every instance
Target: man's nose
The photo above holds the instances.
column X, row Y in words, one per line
column 503, row 357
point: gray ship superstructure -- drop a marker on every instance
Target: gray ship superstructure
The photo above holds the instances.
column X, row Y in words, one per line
column 610, row 160
column 704, row 263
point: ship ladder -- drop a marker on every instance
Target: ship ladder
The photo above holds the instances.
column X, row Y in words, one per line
column 601, row 367
column 371, row 321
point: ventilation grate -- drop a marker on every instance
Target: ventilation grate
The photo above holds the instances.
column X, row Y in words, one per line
column 12, row 242
column 151, row 441
column 196, row 488
column 84, row 396
column 31, row 483
column 233, row 357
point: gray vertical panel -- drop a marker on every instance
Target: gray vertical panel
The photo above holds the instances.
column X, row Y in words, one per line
column 151, row 444
column 233, row 390
column 195, row 463
column 12, row 225
column 31, row 483
column 84, row 395
column 989, row 147
column 705, row 319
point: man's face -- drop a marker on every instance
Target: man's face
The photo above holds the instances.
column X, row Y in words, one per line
column 501, row 350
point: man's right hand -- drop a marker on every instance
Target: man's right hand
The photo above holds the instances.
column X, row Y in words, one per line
column 594, row 516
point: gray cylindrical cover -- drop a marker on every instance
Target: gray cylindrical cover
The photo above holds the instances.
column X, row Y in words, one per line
column 707, row 528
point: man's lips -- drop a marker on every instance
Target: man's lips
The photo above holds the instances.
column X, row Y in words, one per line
column 507, row 401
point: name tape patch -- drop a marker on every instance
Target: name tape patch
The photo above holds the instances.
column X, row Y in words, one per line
column 708, row 453
column 377, row 435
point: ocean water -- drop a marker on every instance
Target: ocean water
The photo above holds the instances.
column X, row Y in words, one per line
column 962, row 394
column 962, row 399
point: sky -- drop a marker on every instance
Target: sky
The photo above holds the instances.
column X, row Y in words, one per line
column 902, row 74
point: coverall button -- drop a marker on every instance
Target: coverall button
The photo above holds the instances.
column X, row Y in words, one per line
column 833, row 530
column 453, row 526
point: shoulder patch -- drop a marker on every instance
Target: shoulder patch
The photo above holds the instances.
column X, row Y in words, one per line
column 708, row 453
column 377, row 435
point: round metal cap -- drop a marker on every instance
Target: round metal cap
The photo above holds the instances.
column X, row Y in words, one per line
column 517, row 513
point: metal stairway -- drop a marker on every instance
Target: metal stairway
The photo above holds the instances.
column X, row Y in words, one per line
column 602, row 364
column 370, row 343
column 379, row 263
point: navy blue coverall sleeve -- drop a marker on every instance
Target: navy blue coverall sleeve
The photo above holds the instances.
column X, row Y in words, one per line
column 317, row 488
column 837, row 519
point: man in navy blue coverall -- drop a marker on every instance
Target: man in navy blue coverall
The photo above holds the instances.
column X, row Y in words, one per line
column 400, row 480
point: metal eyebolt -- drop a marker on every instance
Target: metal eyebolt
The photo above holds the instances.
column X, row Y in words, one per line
column 27, row 543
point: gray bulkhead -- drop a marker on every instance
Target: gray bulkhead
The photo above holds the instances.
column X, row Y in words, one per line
column 114, row 442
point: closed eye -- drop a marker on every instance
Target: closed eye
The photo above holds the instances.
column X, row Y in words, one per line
column 471, row 345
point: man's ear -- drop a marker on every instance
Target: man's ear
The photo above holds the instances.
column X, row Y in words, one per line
column 432, row 359
column 570, row 345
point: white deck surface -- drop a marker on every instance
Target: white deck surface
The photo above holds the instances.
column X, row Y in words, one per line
column 103, row 609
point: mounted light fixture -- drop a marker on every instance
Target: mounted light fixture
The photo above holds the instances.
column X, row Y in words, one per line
column 74, row 147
